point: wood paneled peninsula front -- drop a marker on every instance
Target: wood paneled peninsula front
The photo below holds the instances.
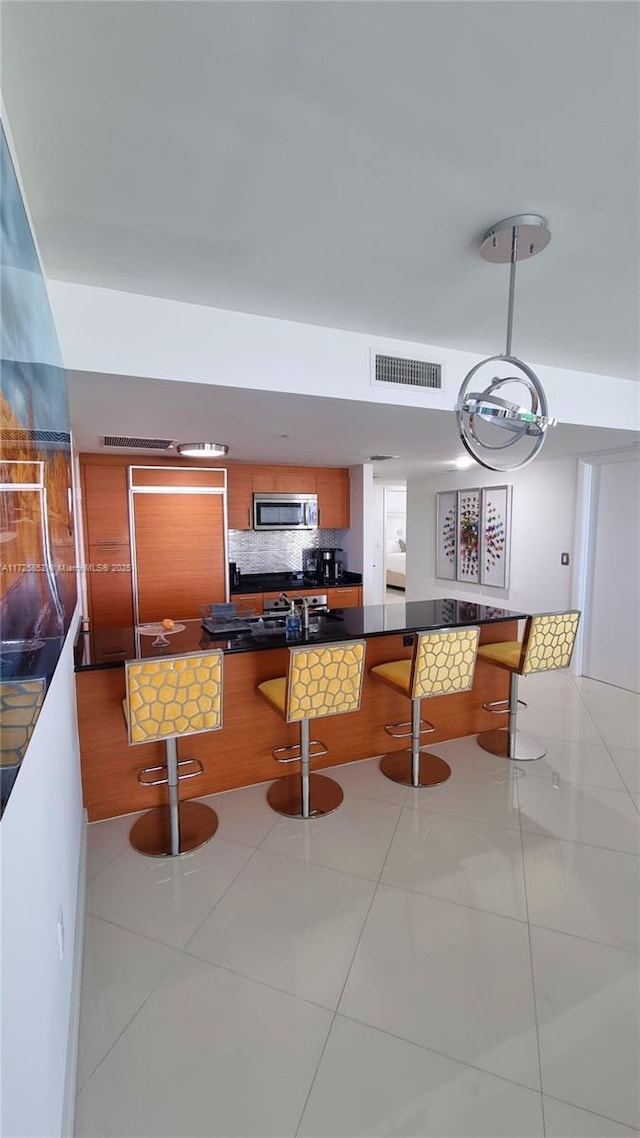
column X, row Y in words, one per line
column 240, row 754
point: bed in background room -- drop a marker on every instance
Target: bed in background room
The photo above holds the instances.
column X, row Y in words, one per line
column 396, row 564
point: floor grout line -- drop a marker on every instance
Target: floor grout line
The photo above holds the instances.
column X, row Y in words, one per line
column 441, row 1054
column 348, row 973
column 532, row 970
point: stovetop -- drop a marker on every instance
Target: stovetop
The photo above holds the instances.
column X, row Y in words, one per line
column 283, row 603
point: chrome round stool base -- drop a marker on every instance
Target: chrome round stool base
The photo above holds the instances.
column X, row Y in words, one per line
column 526, row 749
column 285, row 796
column 397, row 766
column 151, row 834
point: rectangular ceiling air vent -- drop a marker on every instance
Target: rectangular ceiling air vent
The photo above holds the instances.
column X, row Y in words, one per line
column 406, row 372
column 137, row 444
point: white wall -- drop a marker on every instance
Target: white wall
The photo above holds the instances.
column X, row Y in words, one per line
column 360, row 537
column 378, row 589
column 611, row 651
column 41, row 841
column 102, row 330
column 543, row 523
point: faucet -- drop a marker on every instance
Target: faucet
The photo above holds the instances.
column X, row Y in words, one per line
column 305, row 614
column 304, row 608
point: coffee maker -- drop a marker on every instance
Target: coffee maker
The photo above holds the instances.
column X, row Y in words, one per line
column 324, row 566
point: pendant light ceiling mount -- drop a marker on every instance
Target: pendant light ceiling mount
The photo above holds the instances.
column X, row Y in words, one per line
column 533, row 235
column 488, row 422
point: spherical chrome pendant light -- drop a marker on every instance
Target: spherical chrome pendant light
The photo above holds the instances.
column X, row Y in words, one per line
column 488, row 422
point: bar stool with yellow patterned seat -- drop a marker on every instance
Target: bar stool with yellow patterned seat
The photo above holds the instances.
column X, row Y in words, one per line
column 547, row 644
column 323, row 680
column 443, row 663
column 167, row 699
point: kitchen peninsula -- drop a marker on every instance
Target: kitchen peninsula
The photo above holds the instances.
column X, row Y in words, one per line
column 240, row 754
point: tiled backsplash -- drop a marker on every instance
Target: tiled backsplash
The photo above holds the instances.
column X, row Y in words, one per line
column 280, row 551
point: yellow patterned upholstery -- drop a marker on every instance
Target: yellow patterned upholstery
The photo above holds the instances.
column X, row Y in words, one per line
column 397, row 674
column 548, row 643
column 443, row 663
column 505, row 655
column 275, row 693
column 174, row 695
column 326, row 680
column 323, row 680
column 20, row 705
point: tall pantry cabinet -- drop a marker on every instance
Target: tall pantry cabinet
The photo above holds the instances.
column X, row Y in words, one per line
column 173, row 555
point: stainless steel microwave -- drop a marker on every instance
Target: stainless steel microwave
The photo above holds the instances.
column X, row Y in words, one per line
column 285, row 511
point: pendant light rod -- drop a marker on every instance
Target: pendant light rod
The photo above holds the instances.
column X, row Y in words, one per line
column 509, row 241
column 512, row 288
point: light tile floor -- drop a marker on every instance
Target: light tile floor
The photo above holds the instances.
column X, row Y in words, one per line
column 457, row 961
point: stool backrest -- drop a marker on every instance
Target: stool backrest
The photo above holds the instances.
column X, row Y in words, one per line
column 549, row 641
column 173, row 696
column 444, row 662
column 324, row 680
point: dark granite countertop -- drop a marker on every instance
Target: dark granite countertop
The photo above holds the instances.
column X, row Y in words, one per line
column 274, row 582
column 109, row 648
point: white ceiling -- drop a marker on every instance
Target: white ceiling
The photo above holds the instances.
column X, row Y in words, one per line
column 337, row 163
column 263, row 426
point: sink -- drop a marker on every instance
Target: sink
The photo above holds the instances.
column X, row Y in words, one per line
column 267, row 625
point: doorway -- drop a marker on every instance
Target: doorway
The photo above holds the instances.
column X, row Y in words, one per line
column 395, row 541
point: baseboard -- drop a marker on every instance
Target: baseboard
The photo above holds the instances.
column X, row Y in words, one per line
column 71, row 1066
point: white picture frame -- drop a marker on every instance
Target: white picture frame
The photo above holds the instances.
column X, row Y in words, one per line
column 446, row 534
column 495, row 536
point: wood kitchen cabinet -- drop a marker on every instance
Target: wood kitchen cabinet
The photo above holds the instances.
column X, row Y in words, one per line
column 106, row 505
column 348, row 597
column 331, row 485
column 284, row 479
column 108, row 548
column 333, row 490
column 109, row 587
column 180, row 560
column 240, row 496
column 180, row 555
column 174, row 539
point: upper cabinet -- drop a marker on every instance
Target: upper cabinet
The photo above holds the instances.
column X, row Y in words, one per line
column 106, row 505
column 330, row 484
column 332, row 488
column 284, row 479
column 240, row 497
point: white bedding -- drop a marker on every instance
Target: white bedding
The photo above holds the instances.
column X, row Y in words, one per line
column 396, row 570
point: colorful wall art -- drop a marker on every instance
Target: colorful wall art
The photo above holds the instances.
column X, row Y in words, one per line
column 446, row 529
column 468, row 531
column 37, row 547
column 473, row 533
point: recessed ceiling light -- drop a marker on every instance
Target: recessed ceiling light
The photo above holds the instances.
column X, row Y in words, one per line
column 380, row 457
column 464, row 463
column 202, row 450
